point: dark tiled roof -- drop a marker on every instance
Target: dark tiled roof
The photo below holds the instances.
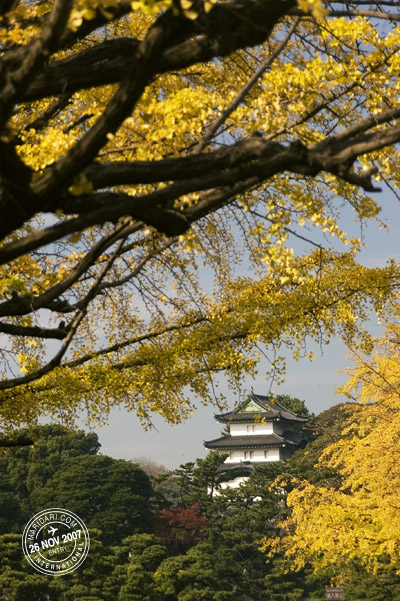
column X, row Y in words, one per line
column 269, row 410
column 247, row 441
column 243, row 466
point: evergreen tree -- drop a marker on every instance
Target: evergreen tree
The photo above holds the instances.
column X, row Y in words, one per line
column 93, row 581
column 112, row 495
column 25, row 470
column 293, row 404
column 145, row 555
column 18, row 582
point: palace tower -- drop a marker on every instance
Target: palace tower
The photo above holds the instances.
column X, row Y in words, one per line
column 260, row 430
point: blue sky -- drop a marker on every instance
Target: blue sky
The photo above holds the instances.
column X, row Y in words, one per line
column 315, row 382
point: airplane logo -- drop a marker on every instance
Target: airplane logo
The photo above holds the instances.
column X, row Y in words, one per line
column 52, row 530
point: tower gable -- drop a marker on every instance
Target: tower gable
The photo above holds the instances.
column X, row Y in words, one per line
column 251, row 407
column 261, row 430
column 257, row 408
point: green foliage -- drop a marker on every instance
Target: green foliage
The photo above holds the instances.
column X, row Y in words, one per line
column 192, row 482
column 63, row 469
column 20, row 586
column 94, row 580
column 378, row 587
column 110, row 494
column 10, row 509
column 10, row 551
column 293, row 404
column 203, row 573
column 28, row 469
column 283, row 585
column 17, row 582
column 145, row 555
column 223, row 562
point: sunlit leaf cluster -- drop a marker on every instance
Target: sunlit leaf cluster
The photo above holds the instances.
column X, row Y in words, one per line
column 358, row 522
column 179, row 201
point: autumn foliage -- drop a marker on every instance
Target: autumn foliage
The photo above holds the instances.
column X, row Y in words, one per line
column 352, row 522
column 176, row 182
column 181, row 527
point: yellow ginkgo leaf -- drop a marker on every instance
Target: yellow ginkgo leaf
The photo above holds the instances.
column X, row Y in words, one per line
column 81, row 185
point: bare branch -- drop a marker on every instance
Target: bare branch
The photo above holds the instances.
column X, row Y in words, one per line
column 375, row 14
column 133, row 273
column 22, row 305
column 56, row 360
column 33, row 331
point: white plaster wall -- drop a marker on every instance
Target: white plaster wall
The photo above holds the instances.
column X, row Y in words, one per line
column 273, row 455
column 234, row 483
column 249, row 429
column 235, row 457
column 257, row 455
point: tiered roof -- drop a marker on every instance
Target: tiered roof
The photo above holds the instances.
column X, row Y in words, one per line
column 258, row 441
column 257, row 408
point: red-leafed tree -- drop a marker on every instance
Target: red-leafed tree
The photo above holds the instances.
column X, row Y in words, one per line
column 181, row 527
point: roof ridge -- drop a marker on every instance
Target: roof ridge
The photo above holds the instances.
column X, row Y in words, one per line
column 250, row 396
column 266, row 404
column 285, row 408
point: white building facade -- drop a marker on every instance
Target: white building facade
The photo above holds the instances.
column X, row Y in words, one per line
column 260, row 430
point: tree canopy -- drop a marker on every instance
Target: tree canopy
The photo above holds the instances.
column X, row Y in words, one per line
column 352, row 520
column 149, row 150
column 63, row 468
column 198, row 546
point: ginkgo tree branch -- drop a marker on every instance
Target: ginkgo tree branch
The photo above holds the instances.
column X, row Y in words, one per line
column 47, row 236
column 119, row 108
column 135, row 271
column 52, row 298
column 214, row 127
column 339, row 153
column 24, row 305
column 72, row 74
column 389, row 3
column 129, row 342
column 19, row 66
column 113, row 210
column 77, row 320
column 313, row 308
column 286, row 229
column 376, row 14
column 108, row 62
column 142, row 68
column 144, row 172
column 100, row 19
column 33, row 331
column 54, row 362
column 62, row 172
